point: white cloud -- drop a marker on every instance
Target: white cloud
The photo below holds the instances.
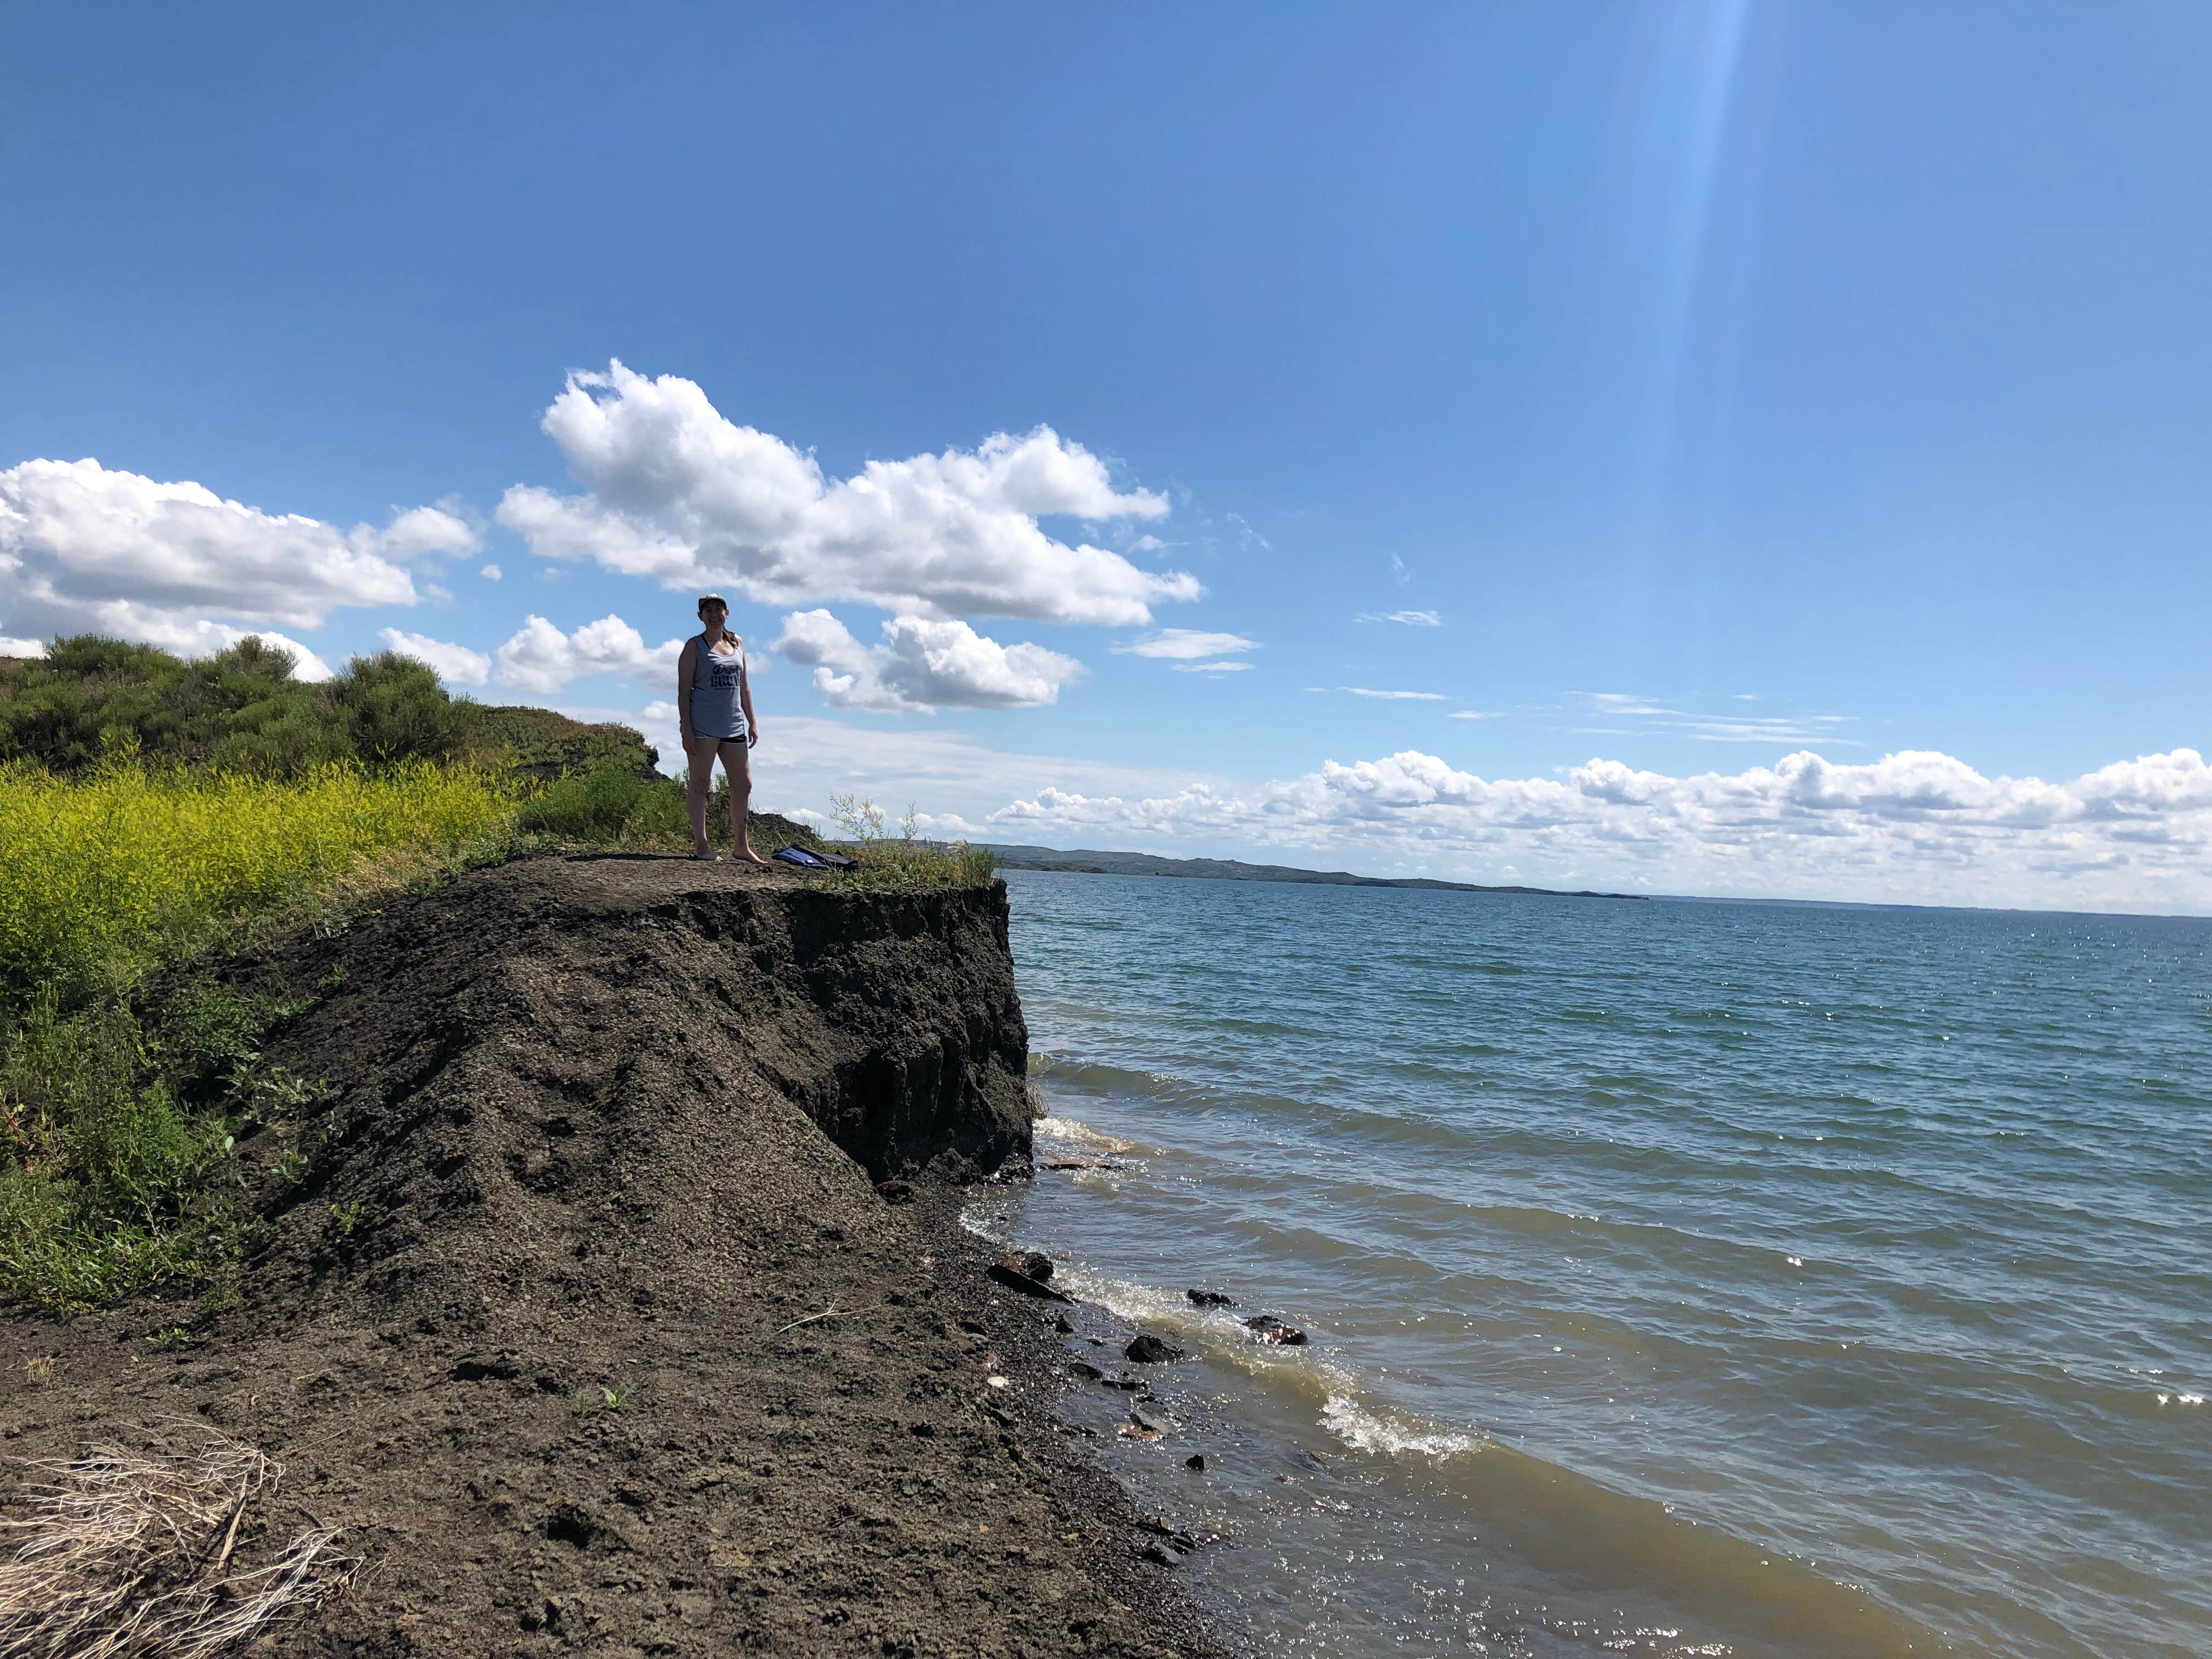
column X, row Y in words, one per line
column 420, row 530
column 923, row 664
column 1478, row 715
column 1718, row 728
column 1211, row 667
column 455, row 664
column 677, row 492
column 22, row 647
column 1913, row 827
column 83, row 549
column 1185, row 644
column 490, row 573
column 1410, row 618
column 541, row 658
column 1393, row 696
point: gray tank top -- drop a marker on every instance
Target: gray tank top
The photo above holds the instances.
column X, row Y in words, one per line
column 717, row 684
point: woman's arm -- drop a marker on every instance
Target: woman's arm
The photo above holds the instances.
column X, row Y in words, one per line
column 686, row 665
column 745, row 697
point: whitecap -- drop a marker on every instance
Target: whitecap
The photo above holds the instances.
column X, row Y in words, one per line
column 1365, row 1431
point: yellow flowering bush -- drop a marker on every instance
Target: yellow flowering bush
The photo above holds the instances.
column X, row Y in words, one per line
column 104, row 876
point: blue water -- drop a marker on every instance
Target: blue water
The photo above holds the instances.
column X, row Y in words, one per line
column 1683, row 1278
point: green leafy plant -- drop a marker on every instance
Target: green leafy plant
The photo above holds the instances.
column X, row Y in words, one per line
column 608, row 1400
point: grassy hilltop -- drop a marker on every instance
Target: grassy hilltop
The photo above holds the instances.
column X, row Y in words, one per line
column 155, row 812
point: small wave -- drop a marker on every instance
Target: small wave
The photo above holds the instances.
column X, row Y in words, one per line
column 1366, row 1430
column 1070, row 1133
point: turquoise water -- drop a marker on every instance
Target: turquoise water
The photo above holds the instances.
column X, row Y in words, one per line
column 1683, row 1278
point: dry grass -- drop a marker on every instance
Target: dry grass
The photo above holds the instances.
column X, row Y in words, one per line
column 129, row 1555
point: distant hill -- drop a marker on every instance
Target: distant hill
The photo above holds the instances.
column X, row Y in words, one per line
column 1148, row 864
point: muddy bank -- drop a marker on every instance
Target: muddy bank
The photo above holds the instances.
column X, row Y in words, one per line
column 587, row 1320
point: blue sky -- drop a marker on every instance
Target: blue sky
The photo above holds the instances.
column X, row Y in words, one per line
column 1729, row 382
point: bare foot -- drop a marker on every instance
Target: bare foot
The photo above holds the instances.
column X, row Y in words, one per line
column 708, row 856
column 752, row 857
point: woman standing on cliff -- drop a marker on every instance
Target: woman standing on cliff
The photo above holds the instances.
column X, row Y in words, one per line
column 715, row 702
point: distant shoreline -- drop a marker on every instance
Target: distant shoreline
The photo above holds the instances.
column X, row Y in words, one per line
column 1083, row 861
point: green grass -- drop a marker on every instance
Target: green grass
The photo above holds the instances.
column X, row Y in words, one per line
column 116, row 1172
column 888, row 859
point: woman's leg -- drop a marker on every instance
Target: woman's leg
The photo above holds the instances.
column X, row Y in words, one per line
column 696, row 788
column 738, row 766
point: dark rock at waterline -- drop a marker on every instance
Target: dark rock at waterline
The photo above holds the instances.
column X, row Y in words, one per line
column 1014, row 1279
column 1061, row 1325
column 1195, row 1460
column 1149, row 1349
column 1087, row 1370
column 1145, row 1423
column 895, row 1191
column 1210, row 1299
column 1038, row 1265
column 1268, row 1328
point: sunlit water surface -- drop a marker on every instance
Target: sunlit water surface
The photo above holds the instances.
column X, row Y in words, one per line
column 1682, row 1278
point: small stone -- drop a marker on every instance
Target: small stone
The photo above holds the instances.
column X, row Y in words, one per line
column 1195, row 1460
column 1266, row 1327
column 1038, row 1265
column 1061, row 1325
column 1149, row 1349
column 1146, row 1423
column 895, row 1192
column 1210, row 1299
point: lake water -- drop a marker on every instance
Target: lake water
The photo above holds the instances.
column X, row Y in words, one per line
column 1682, row 1278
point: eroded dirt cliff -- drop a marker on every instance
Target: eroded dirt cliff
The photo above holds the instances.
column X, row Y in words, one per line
column 588, row 1321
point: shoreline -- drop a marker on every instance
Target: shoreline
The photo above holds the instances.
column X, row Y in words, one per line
column 625, row 1308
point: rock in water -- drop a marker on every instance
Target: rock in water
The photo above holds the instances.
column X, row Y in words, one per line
column 1149, row 1349
column 1266, row 1327
column 1038, row 1265
column 1195, row 1460
column 1210, row 1299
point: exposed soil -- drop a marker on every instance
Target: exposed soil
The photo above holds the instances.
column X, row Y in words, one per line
column 590, row 1324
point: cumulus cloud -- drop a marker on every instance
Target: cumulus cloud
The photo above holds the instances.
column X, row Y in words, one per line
column 1186, row 644
column 541, row 658
column 22, row 647
column 83, row 549
column 923, row 664
column 419, row 531
column 1915, row 826
column 455, row 664
column 490, row 573
column 1409, row 618
column 676, row 492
